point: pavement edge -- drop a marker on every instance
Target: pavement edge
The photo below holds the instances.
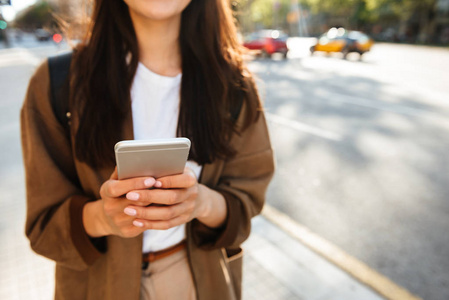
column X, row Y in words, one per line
column 357, row 269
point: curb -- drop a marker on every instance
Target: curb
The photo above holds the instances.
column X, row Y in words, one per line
column 357, row 269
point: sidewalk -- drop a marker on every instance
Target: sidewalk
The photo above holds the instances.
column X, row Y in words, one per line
column 276, row 266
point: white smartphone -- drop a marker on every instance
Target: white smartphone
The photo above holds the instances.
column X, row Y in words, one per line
column 155, row 158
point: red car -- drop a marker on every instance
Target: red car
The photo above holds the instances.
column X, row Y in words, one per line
column 267, row 42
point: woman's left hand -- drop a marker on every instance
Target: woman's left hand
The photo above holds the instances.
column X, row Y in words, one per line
column 175, row 200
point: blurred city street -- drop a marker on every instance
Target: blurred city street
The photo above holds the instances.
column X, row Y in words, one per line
column 361, row 162
column 362, row 155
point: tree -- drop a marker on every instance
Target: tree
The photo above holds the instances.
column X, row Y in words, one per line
column 351, row 13
column 257, row 14
column 416, row 18
column 40, row 15
column 411, row 20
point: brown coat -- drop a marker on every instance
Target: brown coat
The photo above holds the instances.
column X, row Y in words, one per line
column 110, row 267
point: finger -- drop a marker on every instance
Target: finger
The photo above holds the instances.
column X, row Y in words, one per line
column 159, row 213
column 117, row 188
column 158, row 196
column 184, row 180
column 161, row 225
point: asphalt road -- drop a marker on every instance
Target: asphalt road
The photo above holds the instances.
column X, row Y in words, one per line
column 361, row 150
column 360, row 147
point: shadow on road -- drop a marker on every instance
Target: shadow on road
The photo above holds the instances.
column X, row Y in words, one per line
column 379, row 192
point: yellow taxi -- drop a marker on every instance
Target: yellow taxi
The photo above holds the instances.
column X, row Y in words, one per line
column 343, row 41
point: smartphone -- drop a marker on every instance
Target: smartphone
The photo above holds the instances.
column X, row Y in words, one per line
column 155, row 158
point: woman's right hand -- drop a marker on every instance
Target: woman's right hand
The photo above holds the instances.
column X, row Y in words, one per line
column 106, row 216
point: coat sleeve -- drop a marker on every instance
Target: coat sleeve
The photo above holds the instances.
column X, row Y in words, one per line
column 55, row 202
column 243, row 183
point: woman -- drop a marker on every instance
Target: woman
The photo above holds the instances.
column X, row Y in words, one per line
column 148, row 69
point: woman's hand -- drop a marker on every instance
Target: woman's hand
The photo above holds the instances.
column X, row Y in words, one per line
column 106, row 216
column 176, row 200
column 128, row 207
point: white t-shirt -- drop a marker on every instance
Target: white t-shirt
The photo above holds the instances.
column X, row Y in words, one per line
column 155, row 108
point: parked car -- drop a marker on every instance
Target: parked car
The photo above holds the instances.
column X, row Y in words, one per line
column 42, row 35
column 267, row 42
column 344, row 41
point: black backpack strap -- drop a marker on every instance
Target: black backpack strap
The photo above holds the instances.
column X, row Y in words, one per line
column 235, row 110
column 59, row 67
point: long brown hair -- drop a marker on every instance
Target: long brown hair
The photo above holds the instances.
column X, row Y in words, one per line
column 214, row 81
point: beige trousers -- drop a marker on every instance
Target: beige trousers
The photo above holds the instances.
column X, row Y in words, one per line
column 168, row 278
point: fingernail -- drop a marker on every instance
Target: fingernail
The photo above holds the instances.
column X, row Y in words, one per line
column 132, row 196
column 149, row 182
column 130, row 211
column 137, row 223
column 158, row 184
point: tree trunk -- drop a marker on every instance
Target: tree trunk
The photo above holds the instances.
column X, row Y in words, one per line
column 427, row 22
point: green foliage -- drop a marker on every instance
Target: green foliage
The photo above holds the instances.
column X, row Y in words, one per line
column 399, row 10
column 39, row 15
column 273, row 13
column 270, row 13
column 357, row 13
column 335, row 7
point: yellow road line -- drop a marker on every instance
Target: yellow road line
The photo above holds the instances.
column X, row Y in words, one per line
column 357, row 269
